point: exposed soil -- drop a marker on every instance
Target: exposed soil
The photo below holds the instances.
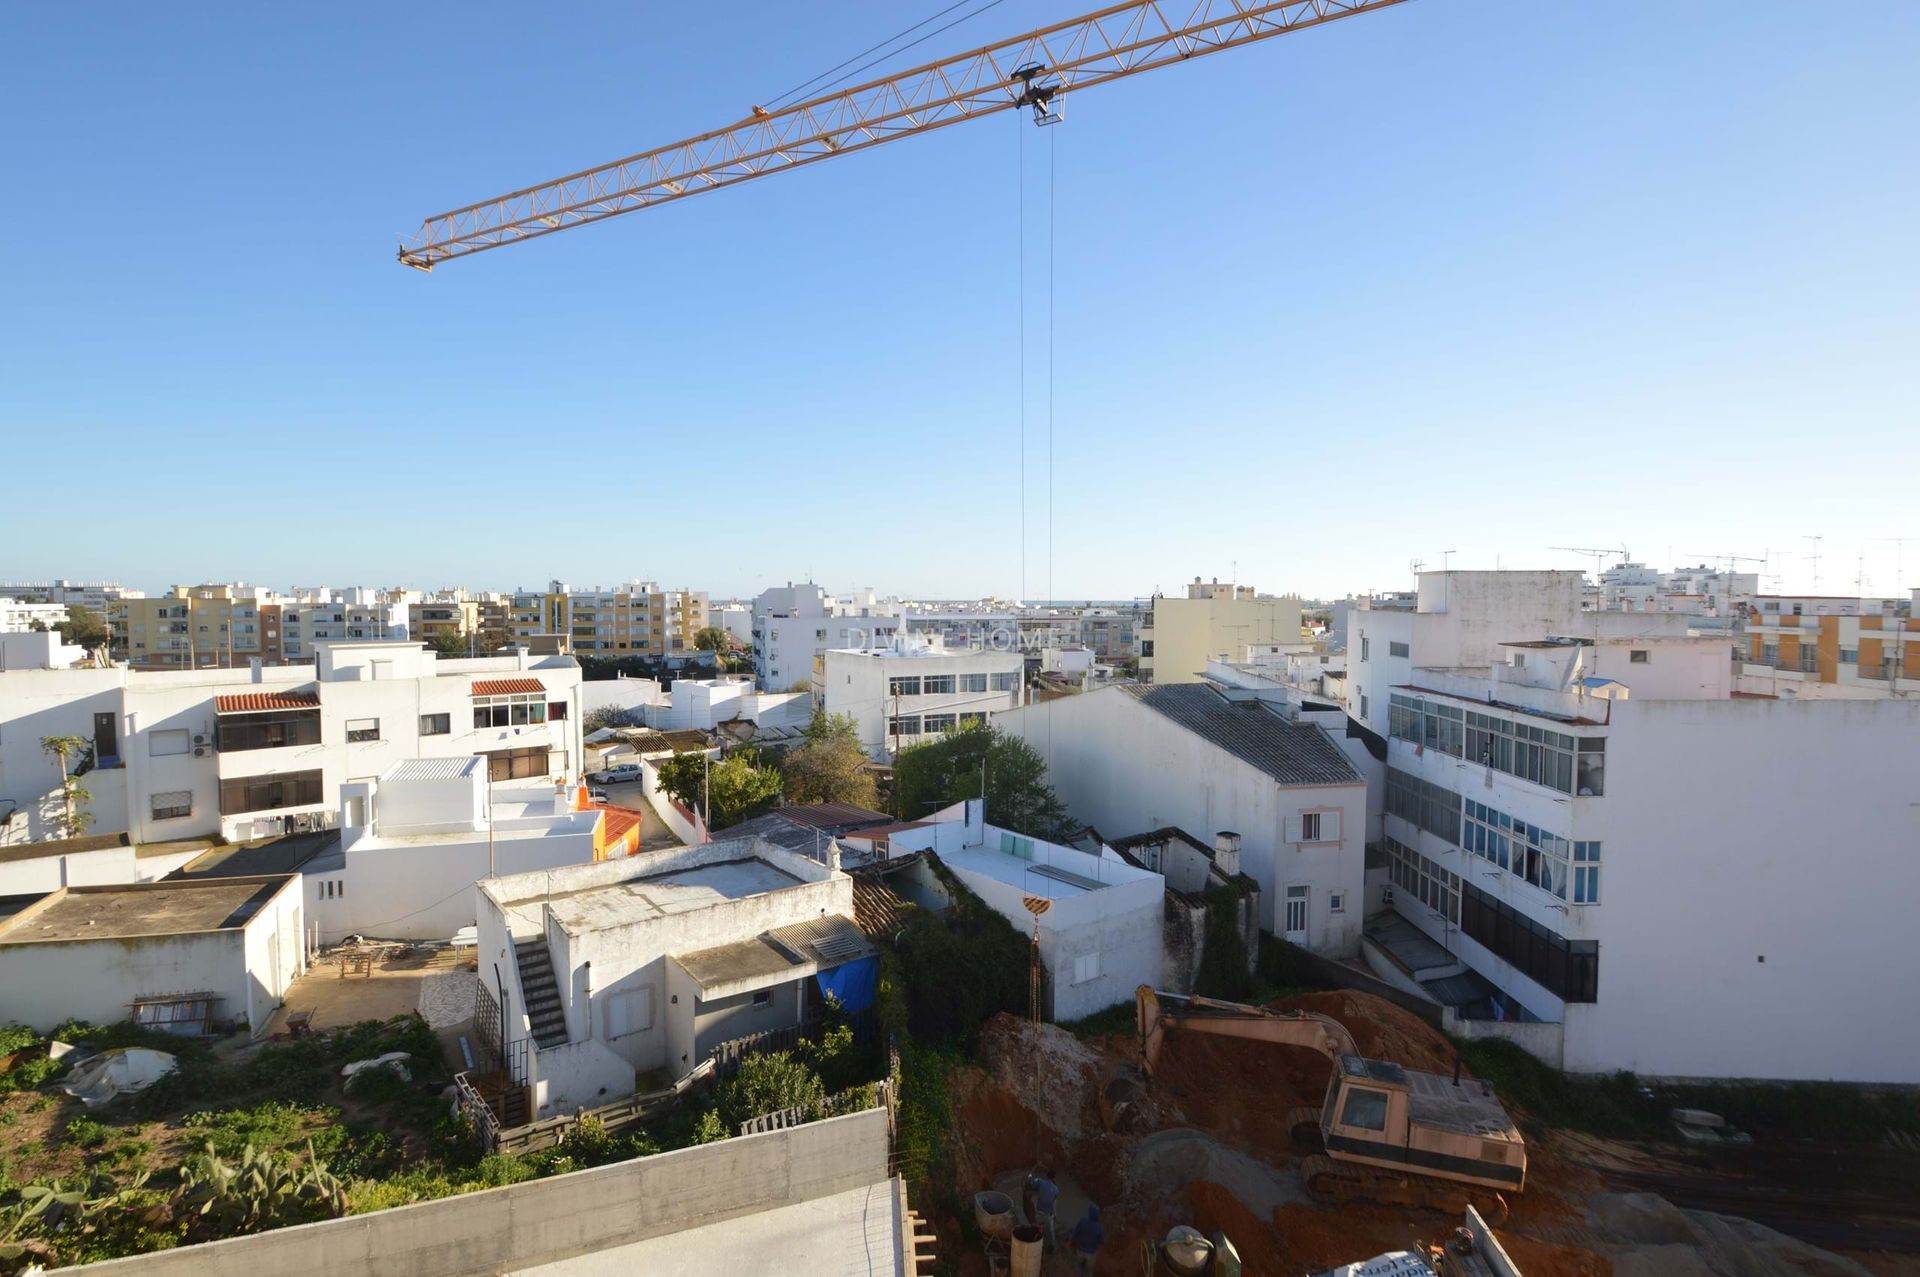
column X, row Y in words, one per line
column 1207, row 1144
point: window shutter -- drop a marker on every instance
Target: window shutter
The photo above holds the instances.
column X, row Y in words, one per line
column 1292, row 829
column 1329, row 826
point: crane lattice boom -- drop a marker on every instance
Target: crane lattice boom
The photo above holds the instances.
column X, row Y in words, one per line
column 1034, row 70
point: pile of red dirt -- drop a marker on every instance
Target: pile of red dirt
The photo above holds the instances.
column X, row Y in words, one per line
column 1311, row 1239
column 1539, row 1259
column 1380, row 1029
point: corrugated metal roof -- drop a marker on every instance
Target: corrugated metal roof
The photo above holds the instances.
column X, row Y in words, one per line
column 829, row 941
column 433, row 769
column 253, row 702
column 1292, row 753
column 506, row 686
column 834, row 817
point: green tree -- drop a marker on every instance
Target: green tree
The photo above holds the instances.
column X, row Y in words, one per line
column 951, row 769
column 801, row 685
column 451, row 643
column 83, row 626
column 739, row 790
column 830, row 766
column 73, row 821
column 712, row 638
column 729, row 790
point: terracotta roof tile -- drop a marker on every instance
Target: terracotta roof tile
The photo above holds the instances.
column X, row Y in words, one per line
column 506, row 686
column 251, row 702
column 878, row 910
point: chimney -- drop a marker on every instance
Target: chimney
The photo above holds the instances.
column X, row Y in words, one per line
column 833, row 855
column 253, row 669
column 1226, row 852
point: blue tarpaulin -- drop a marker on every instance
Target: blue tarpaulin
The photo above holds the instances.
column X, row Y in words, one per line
column 854, row 984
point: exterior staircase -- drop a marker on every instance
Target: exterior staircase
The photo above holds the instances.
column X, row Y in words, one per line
column 545, row 1013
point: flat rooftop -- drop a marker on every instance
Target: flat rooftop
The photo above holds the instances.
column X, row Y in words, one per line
column 141, row 909
column 1036, row 878
column 637, row 900
column 863, row 1232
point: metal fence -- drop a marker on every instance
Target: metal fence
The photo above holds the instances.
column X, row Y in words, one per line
column 726, row 1056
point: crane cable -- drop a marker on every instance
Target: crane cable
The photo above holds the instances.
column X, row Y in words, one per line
column 775, row 103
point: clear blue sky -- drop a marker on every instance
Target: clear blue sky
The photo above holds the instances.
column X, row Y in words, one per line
column 1486, row 276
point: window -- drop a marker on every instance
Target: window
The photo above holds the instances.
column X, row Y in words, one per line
column 1849, row 656
column 1365, row 708
column 1086, row 966
column 1428, row 724
column 972, row 716
column 973, row 682
column 908, row 685
column 556, row 711
column 904, row 725
column 762, row 998
column 1310, row 827
column 931, row 723
column 271, row 730
column 1638, row 656
column 1395, row 648
column 516, row 764
column 1419, row 878
column 168, row 740
column 436, row 724
column 269, row 793
column 1586, row 873
column 1592, row 776
column 1531, row 753
column 937, row 685
column 1568, row 969
column 362, row 729
column 629, row 1011
column 510, row 711
column 1434, row 808
column 1336, row 902
column 1011, row 682
column 1515, row 845
column 173, row 804
column 1364, row 1109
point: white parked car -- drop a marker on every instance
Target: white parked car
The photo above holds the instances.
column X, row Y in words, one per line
column 618, row 774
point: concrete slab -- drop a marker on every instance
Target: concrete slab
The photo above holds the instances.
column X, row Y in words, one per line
column 856, row 1232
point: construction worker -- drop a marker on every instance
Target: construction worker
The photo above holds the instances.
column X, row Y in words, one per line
column 1039, row 1196
column 1087, row 1236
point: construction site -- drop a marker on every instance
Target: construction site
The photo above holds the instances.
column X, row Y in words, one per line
column 1206, row 1143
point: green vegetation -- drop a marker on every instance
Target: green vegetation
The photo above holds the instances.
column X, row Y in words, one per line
column 768, row 1083
column 1827, row 1111
column 711, row 638
column 453, row 644
column 253, row 1193
column 1610, row 1107
column 830, row 766
column 83, row 627
column 1223, row 954
column 732, row 789
column 952, row 768
column 73, row 820
column 971, row 938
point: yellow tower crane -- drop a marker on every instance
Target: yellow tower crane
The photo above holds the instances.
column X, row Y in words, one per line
column 1035, row 70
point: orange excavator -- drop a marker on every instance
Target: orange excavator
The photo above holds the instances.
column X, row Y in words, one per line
column 1385, row 1133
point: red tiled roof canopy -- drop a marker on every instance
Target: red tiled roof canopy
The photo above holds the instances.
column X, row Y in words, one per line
column 506, row 686
column 251, row 702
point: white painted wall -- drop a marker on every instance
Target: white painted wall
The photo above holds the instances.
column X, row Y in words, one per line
column 1126, row 769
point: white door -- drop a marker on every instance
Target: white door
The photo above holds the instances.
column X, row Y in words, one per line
column 1296, row 919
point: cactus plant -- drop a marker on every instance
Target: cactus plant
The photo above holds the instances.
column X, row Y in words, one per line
column 255, row 1192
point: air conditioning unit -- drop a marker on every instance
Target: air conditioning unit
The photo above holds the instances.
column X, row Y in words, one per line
column 199, row 740
column 199, row 751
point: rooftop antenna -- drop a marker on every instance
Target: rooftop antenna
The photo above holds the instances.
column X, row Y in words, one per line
column 1815, row 556
column 1899, row 569
column 1446, row 560
column 1598, row 556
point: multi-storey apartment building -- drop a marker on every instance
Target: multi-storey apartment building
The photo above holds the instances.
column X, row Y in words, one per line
column 1215, row 621
column 98, row 596
column 444, row 612
column 637, row 618
column 197, row 627
column 203, row 751
column 794, row 624
column 914, row 689
column 1590, row 839
column 1811, row 647
column 313, row 615
column 17, row 617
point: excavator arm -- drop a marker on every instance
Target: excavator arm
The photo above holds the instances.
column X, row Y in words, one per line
column 1234, row 1020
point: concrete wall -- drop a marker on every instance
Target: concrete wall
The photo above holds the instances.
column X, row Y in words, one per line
column 1126, row 769
column 40, row 874
column 1186, row 632
column 510, row 1229
column 857, row 683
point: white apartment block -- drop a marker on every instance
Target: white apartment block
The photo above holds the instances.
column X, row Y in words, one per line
column 916, row 690
column 243, row 752
column 793, row 625
column 17, row 617
column 100, row 596
column 1595, row 841
column 313, row 615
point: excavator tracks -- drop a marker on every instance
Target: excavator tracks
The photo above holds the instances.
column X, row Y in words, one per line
column 1335, row 1182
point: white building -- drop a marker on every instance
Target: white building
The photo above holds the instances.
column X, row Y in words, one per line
column 794, row 624
column 916, row 689
column 320, row 614
column 604, row 972
column 97, row 596
column 1597, row 843
column 239, row 752
column 1212, row 759
column 17, row 617
column 736, row 618
column 220, row 948
column 1101, row 935
column 413, row 839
